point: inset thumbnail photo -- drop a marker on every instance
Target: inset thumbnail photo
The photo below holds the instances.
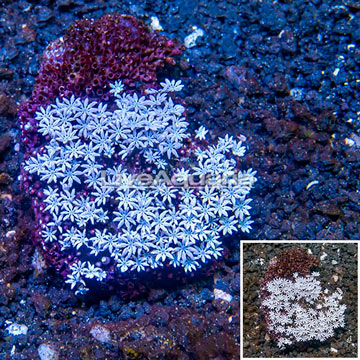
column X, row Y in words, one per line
column 299, row 299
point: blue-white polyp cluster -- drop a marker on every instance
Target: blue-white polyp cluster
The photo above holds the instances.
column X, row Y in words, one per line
column 131, row 225
column 300, row 310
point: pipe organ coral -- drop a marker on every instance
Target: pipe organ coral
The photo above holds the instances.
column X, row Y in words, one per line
column 295, row 306
column 119, row 183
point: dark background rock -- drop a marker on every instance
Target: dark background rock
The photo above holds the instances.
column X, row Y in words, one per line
column 238, row 79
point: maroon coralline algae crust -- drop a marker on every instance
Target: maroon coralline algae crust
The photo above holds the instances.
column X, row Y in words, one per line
column 92, row 54
column 288, row 262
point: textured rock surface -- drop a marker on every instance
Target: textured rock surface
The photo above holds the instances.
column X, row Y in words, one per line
column 273, row 78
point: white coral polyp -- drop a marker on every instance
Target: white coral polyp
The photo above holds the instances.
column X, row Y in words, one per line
column 121, row 220
column 299, row 310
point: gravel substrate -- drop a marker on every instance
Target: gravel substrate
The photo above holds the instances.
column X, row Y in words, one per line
column 338, row 266
column 283, row 73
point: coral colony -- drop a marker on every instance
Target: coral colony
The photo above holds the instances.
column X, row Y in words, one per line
column 107, row 199
column 123, row 185
column 296, row 307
